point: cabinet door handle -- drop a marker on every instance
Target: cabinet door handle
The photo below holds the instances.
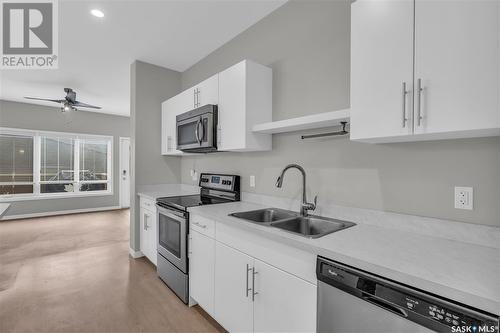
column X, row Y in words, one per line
column 404, row 93
column 419, row 101
column 246, row 272
column 146, row 221
column 194, row 98
column 197, row 97
column 253, row 284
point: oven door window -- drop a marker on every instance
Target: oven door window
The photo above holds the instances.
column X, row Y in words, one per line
column 170, row 234
column 186, row 133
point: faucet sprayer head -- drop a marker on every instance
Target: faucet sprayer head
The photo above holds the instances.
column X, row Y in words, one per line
column 279, row 182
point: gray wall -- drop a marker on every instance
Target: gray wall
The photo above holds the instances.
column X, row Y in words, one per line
column 150, row 85
column 36, row 117
column 307, row 45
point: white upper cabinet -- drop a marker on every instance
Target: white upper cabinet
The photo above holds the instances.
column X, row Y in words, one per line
column 243, row 94
column 207, row 92
column 169, row 111
column 381, row 68
column 457, row 62
column 245, row 99
column 447, row 53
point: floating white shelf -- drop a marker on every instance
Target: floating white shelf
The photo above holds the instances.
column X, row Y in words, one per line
column 319, row 120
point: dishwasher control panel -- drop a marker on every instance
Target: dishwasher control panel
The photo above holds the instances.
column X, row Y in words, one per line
column 447, row 315
column 429, row 310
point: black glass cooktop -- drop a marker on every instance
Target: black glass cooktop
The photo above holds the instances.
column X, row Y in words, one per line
column 185, row 201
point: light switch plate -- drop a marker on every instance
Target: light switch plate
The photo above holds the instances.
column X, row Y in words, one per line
column 464, row 198
column 252, row 181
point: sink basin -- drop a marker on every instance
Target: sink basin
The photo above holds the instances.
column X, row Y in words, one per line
column 312, row 227
column 265, row 215
column 307, row 226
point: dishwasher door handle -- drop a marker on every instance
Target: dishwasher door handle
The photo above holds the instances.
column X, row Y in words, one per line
column 386, row 305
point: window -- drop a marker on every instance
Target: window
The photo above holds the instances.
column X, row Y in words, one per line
column 93, row 165
column 16, row 164
column 57, row 172
column 50, row 164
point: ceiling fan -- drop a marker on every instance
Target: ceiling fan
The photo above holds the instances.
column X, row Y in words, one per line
column 69, row 103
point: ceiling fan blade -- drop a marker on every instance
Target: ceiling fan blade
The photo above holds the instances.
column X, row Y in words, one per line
column 46, row 99
column 83, row 105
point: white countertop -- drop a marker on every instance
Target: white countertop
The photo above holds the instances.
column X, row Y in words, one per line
column 166, row 190
column 3, row 208
column 465, row 272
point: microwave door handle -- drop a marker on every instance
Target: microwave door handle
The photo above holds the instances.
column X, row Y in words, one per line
column 203, row 130
column 197, row 132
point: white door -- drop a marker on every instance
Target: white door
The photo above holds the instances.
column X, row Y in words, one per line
column 457, row 61
column 208, row 91
column 284, row 303
column 172, row 107
column 148, row 234
column 202, row 270
column 144, row 235
column 381, row 65
column 233, row 299
column 124, row 172
column 152, row 241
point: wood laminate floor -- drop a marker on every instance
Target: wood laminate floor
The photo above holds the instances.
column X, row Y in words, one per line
column 72, row 273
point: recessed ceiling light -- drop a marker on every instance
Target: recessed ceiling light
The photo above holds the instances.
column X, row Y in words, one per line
column 97, row 13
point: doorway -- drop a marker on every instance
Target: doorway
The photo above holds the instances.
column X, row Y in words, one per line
column 124, row 172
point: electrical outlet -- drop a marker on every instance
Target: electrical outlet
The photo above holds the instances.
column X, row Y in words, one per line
column 252, row 181
column 464, row 198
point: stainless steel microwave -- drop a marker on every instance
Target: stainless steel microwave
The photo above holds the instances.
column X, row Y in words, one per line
column 197, row 130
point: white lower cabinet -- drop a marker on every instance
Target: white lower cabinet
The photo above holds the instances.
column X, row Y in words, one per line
column 233, row 299
column 148, row 234
column 284, row 302
column 202, row 270
column 252, row 296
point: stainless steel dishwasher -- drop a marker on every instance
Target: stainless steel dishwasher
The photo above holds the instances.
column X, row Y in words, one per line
column 352, row 300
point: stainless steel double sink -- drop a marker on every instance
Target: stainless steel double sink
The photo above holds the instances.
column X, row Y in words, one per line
column 307, row 226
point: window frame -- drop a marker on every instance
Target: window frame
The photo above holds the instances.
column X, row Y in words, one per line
column 37, row 148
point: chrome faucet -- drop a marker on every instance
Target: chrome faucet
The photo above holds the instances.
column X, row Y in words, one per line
column 305, row 206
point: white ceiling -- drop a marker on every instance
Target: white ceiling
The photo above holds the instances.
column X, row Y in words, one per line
column 95, row 54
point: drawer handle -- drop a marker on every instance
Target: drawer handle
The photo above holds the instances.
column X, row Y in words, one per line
column 200, row 225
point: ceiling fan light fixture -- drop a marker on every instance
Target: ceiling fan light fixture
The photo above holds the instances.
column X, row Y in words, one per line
column 66, row 107
column 97, row 13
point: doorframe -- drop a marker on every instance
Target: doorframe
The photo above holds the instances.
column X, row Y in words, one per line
column 121, row 139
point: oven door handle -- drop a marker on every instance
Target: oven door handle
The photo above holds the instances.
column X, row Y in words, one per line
column 172, row 214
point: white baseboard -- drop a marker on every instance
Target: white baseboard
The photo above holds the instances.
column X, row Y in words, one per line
column 59, row 212
column 135, row 254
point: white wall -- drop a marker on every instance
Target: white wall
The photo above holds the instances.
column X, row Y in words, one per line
column 150, row 85
column 307, row 44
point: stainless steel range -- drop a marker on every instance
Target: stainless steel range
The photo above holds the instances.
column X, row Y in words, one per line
column 173, row 227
